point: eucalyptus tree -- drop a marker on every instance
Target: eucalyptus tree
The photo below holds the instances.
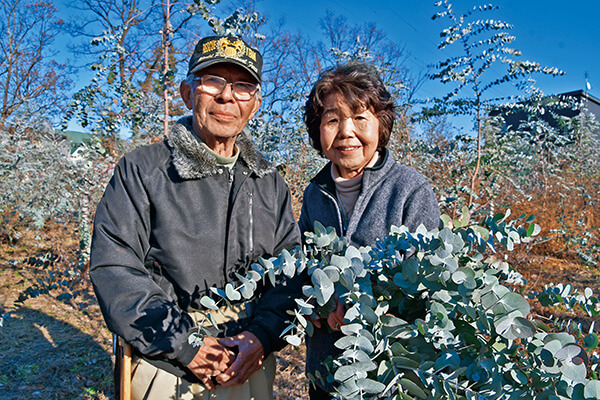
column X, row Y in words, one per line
column 29, row 75
column 481, row 48
column 548, row 153
column 292, row 64
column 136, row 64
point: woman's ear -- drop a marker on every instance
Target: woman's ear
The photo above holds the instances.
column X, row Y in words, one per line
column 186, row 94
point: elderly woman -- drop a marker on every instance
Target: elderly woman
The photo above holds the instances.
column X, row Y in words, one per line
column 362, row 191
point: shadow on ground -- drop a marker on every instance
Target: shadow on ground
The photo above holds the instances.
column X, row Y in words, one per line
column 45, row 358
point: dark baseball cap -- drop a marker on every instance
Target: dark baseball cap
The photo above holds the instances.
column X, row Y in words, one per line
column 226, row 49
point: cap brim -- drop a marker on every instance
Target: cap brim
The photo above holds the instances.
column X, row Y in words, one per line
column 214, row 61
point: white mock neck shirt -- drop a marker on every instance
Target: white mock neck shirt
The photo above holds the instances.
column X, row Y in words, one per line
column 347, row 190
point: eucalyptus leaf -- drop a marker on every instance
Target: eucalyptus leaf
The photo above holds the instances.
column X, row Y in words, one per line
column 515, row 302
column 519, row 377
column 348, row 389
column 463, row 221
column 356, row 355
column 332, row 272
column 446, row 221
column 340, row 262
column 309, row 328
column 591, row 341
column 385, row 372
column 300, row 318
column 288, row 263
column 396, row 328
column 576, row 372
column 410, row 270
column 358, row 267
column 412, row 388
column 368, row 313
column 370, row 386
column 308, row 291
column 365, row 345
column 217, row 291
column 247, row 287
column 209, row 303
column 398, row 349
column 405, row 362
column 511, row 327
column 212, row 320
column 572, row 353
column 592, row 390
column 449, row 359
column 231, row 293
column 346, row 342
column 305, row 307
column 271, row 275
column 293, row 340
column 323, row 286
column 346, row 278
column 356, row 371
column 351, row 329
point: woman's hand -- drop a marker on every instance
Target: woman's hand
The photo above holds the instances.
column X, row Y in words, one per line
column 335, row 319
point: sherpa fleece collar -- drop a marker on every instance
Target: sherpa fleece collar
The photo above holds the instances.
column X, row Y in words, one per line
column 192, row 161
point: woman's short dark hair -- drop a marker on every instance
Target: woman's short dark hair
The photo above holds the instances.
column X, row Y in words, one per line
column 361, row 87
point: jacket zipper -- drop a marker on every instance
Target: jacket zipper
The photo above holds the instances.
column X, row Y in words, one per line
column 251, row 220
column 230, row 178
column 342, row 225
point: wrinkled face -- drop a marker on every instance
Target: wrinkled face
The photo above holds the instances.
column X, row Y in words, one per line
column 220, row 117
column 348, row 139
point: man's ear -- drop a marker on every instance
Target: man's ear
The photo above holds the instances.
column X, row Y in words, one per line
column 186, row 94
column 257, row 103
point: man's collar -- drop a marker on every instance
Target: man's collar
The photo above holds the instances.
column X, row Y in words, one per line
column 193, row 161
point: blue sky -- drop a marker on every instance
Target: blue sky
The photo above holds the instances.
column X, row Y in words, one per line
column 553, row 33
column 562, row 34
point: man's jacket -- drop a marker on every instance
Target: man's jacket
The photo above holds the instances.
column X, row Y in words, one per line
column 171, row 224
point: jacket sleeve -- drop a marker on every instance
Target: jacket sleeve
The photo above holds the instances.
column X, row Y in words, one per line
column 133, row 304
column 421, row 207
column 270, row 317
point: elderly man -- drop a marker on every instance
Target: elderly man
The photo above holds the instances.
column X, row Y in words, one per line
column 186, row 214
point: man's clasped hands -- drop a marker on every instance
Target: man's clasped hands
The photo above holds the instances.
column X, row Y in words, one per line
column 228, row 361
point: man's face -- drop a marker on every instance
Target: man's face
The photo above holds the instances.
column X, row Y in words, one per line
column 220, row 117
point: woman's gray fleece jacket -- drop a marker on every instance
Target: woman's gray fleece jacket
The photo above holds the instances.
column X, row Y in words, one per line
column 391, row 194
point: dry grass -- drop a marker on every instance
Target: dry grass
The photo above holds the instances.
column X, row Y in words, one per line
column 58, row 351
column 51, row 350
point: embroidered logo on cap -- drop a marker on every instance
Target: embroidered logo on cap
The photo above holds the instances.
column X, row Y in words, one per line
column 228, row 47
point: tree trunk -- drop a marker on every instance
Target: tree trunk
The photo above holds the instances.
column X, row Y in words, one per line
column 166, row 33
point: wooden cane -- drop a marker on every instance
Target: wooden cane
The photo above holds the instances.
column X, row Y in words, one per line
column 125, row 377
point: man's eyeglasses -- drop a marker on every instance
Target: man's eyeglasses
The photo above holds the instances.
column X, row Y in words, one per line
column 215, row 85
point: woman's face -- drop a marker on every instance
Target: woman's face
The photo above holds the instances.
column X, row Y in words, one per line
column 348, row 140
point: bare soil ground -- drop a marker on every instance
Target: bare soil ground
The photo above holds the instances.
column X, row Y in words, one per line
column 58, row 351
column 54, row 350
